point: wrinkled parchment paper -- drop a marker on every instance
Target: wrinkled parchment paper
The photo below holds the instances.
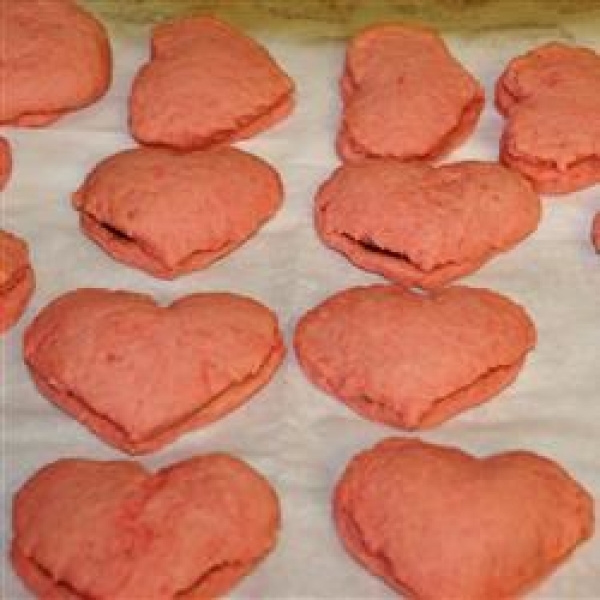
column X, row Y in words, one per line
column 293, row 433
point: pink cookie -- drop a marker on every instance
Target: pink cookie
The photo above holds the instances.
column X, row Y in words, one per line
column 405, row 96
column 412, row 360
column 89, row 529
column 55, row 58
column 550, row 99
column 140, row 375
column 16, row 279
column 5, row 162
column 424, row 226
column 437, row 523
column 170, row 213
column 206, row 84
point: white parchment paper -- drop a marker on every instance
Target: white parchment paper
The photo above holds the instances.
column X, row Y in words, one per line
column 296, row 435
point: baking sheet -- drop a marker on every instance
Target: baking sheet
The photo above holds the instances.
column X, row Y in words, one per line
column 296, row 435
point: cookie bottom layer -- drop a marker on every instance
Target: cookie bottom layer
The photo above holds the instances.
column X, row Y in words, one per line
column 398, row 267
column 440, row 410
column 547, row 178
column 116, row 435
column 212, row 584
column 246, row 128
column 132, row 253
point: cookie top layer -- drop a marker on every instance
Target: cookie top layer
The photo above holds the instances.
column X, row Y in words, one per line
column 206, row 84
column 436, row 522
column 139, row 374
column 398, row 356
column 549, row 97
column 405, row 96
column 171, row 213
column 96, row 529
column 55, row 58
column 421, row 225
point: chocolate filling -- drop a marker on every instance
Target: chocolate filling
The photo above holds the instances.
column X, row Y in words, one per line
column 370, row 246
column 115, row 232
column 123, row 238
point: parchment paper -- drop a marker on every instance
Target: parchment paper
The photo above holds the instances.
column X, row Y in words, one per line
column 296, row 435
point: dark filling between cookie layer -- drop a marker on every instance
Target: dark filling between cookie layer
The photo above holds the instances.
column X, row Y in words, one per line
column 370, row 246
column 123, row 238
column 117, row 233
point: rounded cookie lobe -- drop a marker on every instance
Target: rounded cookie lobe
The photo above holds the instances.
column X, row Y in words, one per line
column 411, row 360
column 436, row 522
column 172, row 213
column 206, row 84
column 405, row 96
column 91, row 529
column 424, row 226
column 549, row 98
column 56, row 59
column 140, row 375
column 17, row 280
column 5, row 162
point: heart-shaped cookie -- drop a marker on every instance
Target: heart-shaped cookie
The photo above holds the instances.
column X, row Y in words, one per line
column 405, row 96
column 437, row 523
column 138, row 374
column 88, row 529
column 421, row 225
column 206, row 84
column 412, row 360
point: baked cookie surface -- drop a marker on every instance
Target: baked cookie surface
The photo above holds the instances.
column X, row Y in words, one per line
column 139, row 375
